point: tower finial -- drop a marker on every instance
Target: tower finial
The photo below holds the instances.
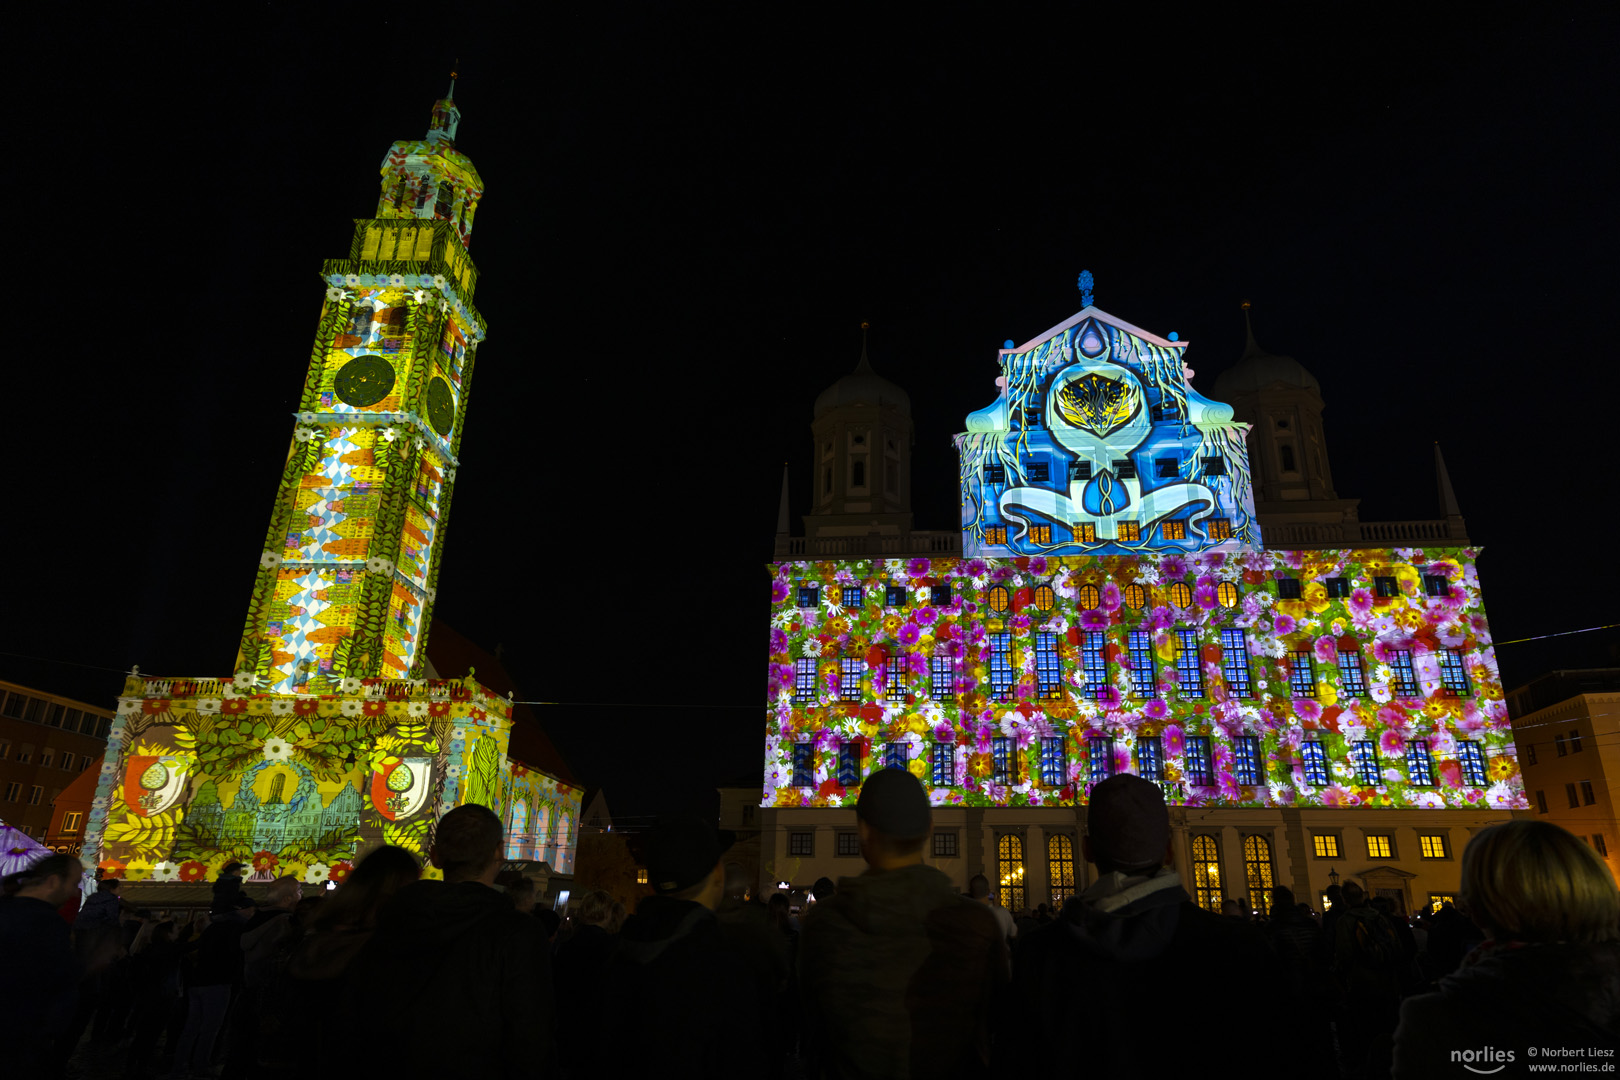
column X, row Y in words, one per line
column 1086, row 283
column 865, row 364
column 1250, row 348
column 450, row 94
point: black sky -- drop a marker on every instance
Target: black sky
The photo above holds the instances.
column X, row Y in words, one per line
column 689, row 213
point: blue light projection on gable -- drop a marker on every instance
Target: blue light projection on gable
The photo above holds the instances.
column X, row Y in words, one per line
column 1098, row 446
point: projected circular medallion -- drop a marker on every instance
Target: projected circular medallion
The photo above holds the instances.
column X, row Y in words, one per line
column 365, row 380
column 441, row 406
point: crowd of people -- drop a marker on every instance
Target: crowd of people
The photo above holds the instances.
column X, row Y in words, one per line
column 892, row 973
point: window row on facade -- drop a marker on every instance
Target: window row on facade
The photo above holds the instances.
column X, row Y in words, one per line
column 1584, row 795
column 47, row 757
column 33, row 710
column 1380, row 845
column 852, row 761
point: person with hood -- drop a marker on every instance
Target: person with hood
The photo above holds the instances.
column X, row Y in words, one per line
column 459, row 947
column 1119, row 946
column 676, row 966
column 899, row 971
column 1548, row 974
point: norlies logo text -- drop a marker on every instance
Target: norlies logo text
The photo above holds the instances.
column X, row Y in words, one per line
column 1486, row 1055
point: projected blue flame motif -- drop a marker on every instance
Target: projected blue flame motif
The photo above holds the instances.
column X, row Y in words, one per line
column 1098, row 445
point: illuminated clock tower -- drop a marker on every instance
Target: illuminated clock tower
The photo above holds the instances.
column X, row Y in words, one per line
column 350, row 565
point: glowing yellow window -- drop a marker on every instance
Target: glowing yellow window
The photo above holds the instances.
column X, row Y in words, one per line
column 1378, row 847
column 1227, row 594
column 1085, row 532
column 641, row 875
column 1219, row 528
column 1327, row 847
column 1130, row 531
column 1044, row 598
column 1174, row 530
column 1135, row 597
column 995, row 534
column 1089, row 597
column 1181, row 594
column 998, row 599
column 1040, row 534
column 1434, row 847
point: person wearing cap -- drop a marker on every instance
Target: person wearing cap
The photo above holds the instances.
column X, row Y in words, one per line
column 899, row 972
column 697, row 1000
column 1121, row 945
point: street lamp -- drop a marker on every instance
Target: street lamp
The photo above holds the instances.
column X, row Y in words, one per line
column 1333, row 877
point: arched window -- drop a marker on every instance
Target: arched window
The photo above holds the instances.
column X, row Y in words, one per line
column 1286, row 453
column 1180, row 594
column 1044, row 598
column 998, row 599
column 1060, row 867
column 565, row 843
column 446, row 201
column 542, row 820
column 1227, row 594
column 360, row 322
column 857, row 473
column 401, row 195
column 1257, row 864
column 1089, row 597
column 1010, row 871
column 1206, row 867
column 1135, row 597
column 517, row 844
column 278, row 785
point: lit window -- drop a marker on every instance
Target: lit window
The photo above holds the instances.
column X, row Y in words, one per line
column 1100, row 758
column 804, row 765
column 1220, row 528
column 1379, row 847
column 1257, row 864
column 1288, row 588
column 1189, row 671
column 1206, row 866
column 1327, row 845
column 1227, row 594
column 1432, row 846
column 897, row 755
column 1054, row 763
column 1235, row 662
column 1094, row 663
column 939, row 595
column 1059, row 868
column 1150, row 757
column 804, row 680
column 641, row 875
column 1130, row 531
column 1437, row 900
column 896, row 689
column 1040, row 534
column 1435, row 585
column 1003, row 760
column 894, row 596
column 1200, row 772
column 1351, row 675
column 942, row 764
column 1419, row 763
column 1010, row 871
column 1002, row 675
column 999, row 600
column 1386, row 586
column 1135, row 597
column 1338, row 588
column 944, row 845
column 71, row 820
column 1044, row 598
column 809, row 596
column 1315, row 756
column 1246, row 760
column 1302, row 674
column 1088, row 597
column 1453, row 676
column 1085, row 532
column 802, row 844
column 1144, row 680
column 1173, row 530
column 995, row 534
column 1405, row 679
column 1048, row 668
column 1365, row 754
column 849, row 764
column 849, row 678
column 1181, row 594
column 941, row 677
column 849, row 844
column 854, row 596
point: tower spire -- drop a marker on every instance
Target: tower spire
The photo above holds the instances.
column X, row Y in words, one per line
column 782, row 518
column 865, row 365
column 1448, row 497
column 1250, row 347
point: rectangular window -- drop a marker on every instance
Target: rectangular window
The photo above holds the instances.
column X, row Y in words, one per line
column 1035, row 470
column 1048, row 668
column 896, row 687
column 53, row 715
column 944, row 845
column 1002, row 676
column 1130, row 531
column 1054, row 763
column 849, row 844
column 1365, row 755
column 943, row 765
column 1085, row 532
column 1189, row 671
column 849, row 677
column 1302, row 674
column 802, row 844
column 995, row 534
column 939, row 595
column 1288, row 588
column 1541, row 802
column 941, row 678
column 995, row 474
column 72, row 720
column 1473, row 763
column 1166, row 468
column 1338, row 588
column 35, row 794
column 1144, row 680
column 1200, row 770
column 894, row 596
column 67, row 761
column 1003, row 760
column 853, row 596
column 1100, row 758
column 1588, row 795
column 46, row 756
column 1351, row 674
column 804, row 765
column 1315, row 756
column 1453, row 676
column 1125, row 468
column 1173, row 530
column 1529, row 753
column 1219, row 528
column 1040, row 534
column 896, row 755
column 1386, row 586
column 1235, row 662
column 5, row 749
column 1379, row 847
column 809, row 596
column 1327, row 845
column 849, row 764
column 1575, row 742
column 1432, row 846
column 71, row 820
column 1404, row 679
column 1435, row 585
column 1150, row 757
column 13, row 792
column 804, row 680
column 1246, row 760
column 1214, row 466
column 1558, row 744
column 1094, row 662
column 1600, row 845
column 14, row 705
column 1079, row 470
column 1419, row 763
column 1573, row 796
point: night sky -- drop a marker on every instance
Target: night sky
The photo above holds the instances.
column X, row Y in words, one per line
column 689, row 213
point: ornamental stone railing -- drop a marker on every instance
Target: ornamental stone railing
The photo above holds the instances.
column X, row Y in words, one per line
column 892, row 546
column 1362, row 533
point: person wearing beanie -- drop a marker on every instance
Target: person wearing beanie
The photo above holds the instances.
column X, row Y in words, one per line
column 899, row 972
column 1109, row 957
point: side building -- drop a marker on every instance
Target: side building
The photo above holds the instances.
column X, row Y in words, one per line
column 46, row 742
column 1564, row 723
column 1313, row 713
